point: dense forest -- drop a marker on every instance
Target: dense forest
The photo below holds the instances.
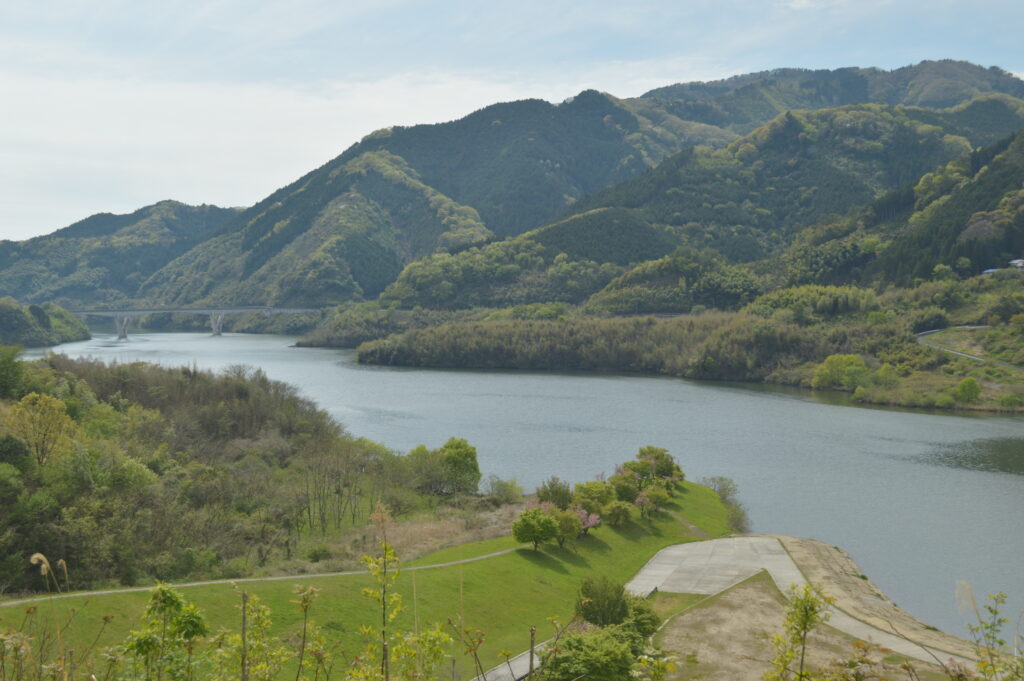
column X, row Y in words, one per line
column 38, row 325
column 826, row 337
column 131, row 473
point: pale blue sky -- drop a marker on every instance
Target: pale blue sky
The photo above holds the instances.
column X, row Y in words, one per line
column 109, row 105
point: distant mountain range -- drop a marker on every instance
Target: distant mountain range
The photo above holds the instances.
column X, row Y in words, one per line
column 558, row 200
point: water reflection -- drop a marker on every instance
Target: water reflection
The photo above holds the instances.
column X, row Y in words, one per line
column 997, row 455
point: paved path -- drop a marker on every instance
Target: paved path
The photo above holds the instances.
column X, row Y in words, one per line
column 710, row 567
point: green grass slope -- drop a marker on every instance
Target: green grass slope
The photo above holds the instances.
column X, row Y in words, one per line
column 542, row 584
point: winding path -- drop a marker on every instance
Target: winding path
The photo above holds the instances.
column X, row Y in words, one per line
column 922, row 339
column 243, row 580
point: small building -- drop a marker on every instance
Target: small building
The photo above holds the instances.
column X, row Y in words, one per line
column 1018, row 263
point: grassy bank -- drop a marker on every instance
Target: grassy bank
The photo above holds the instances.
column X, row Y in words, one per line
column 501, row 595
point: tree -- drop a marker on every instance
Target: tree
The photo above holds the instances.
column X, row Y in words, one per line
column 461, row 467
column 967, row 391
column 602, row 601
column 569, row 526
column 618, row 513
column 451, row 469
column 555, row 491
column 841, row 371
column 10, row 370
column 664, row 464
column 534, row 526
column 42, row 422
column 594, row 495
column 806, row 610
column 595, row 656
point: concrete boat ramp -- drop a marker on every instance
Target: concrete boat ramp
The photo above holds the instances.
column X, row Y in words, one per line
column 710, row 567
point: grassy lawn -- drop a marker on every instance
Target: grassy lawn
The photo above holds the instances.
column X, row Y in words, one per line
column 502, row 595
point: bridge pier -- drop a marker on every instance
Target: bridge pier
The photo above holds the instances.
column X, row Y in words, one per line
column 122, row 327
column 217, row 322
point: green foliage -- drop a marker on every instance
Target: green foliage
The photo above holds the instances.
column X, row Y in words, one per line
column 35, row 325
column 593, row 496
column 967, row 391
column 104, row 258
column 119, row 465
column 841, row 371
column 602, row 601
column 676, row 283
column 626, row 487
column 555, row 491
column 503, row 491
column 10, row 371
column 806, row 611
column 718, row 346
column 43, row 424
column 534, row 526
column 261, row 654
column 569, row 525
column 618, row 513
column 808, row 304
column 599, row 656
column 450, row 469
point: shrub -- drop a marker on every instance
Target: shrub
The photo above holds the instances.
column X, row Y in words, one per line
column 618, row 513
column 596, row 656
column 1011, row 401
column 555, row 491
column 929, row 319
column 318, row 553
column 967, row 391
column 841, row 371
column 602, row 601
column 504, row 491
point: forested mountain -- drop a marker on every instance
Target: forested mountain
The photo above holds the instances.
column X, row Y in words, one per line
column 104, row 258
column 744, row 102
column 669, row 168
column 744, row 203
column 964, row 217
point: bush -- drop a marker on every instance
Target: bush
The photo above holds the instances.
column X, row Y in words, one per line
column 602, row 601
column 641, row 618
column 841, row 371
column 928, row 319
column 555, row 491
column 1011, row 401
column 318, row 553
column 596, row 656
column 618, row 513
column 967, row 391
column 504, row 491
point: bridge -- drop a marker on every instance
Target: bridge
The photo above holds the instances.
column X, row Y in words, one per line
column 123, row 315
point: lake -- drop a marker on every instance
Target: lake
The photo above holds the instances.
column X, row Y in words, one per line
column 919, row 500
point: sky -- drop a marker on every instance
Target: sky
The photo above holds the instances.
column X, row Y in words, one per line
column 111, row 105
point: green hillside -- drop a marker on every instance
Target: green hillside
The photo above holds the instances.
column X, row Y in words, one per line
column 745, row 203
column 670, row 167
column 104, row 258
column 744, row 102
column 38, row 325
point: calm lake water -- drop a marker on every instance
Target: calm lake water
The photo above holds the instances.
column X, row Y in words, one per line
column 920, row 500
